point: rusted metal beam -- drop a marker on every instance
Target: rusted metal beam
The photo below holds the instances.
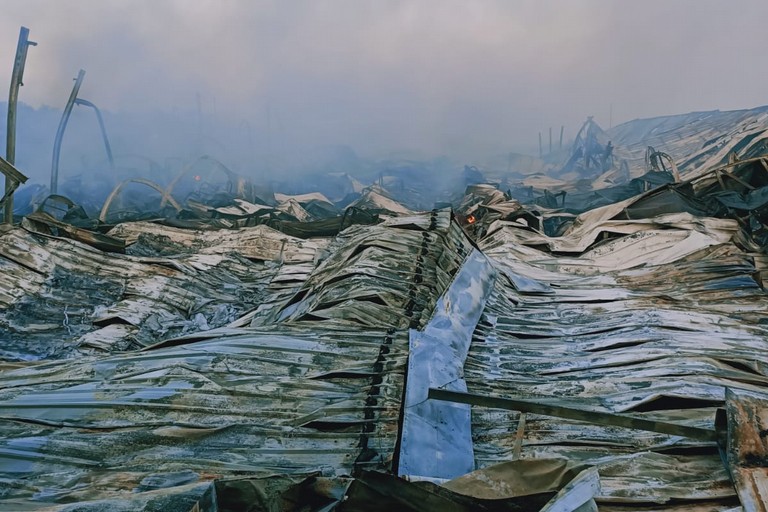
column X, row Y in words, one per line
column 573, row 413
column 60, row 132
column 10, row 140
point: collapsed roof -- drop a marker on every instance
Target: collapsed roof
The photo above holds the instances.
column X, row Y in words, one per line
column 282, row 352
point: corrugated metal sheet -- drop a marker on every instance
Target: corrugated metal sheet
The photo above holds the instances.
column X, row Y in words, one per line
column 698, row 140
column 61, row 298
column 326, row 365
column 298, row 397
column 259, row 243
column 663, row 339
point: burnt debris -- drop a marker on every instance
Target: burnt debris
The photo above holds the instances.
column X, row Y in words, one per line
column 581, row 331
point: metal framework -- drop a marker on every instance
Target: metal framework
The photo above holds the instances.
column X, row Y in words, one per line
column 60, row 131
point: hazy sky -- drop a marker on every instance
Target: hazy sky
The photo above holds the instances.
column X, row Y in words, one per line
column 437, row 75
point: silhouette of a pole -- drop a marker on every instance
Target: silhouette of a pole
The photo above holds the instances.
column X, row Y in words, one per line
column 541, row 151
column 13, row 96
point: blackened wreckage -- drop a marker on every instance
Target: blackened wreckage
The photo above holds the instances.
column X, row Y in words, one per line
column 587, row 332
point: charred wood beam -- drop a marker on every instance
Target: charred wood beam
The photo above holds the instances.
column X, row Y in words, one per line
column 573, row 413
column 11, row 184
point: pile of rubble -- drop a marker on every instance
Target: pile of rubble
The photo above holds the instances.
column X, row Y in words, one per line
column 228, row 347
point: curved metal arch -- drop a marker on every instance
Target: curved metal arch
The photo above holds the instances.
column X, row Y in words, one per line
column 102, row 127
column 142, row 181
column 60, row 131
column 654, row 159
column 231, row 176
column 56, row 198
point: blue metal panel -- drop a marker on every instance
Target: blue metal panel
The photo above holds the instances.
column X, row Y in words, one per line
column 436, row 439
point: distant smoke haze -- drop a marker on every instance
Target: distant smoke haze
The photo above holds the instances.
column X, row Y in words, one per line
column 463, row 78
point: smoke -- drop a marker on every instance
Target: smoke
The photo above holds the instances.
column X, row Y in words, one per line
column 464, row 78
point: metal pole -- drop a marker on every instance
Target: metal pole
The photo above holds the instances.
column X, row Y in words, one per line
column 107, row 147
column 541, row 151
column 60, row 131
column 13, row 97
column 561, row 136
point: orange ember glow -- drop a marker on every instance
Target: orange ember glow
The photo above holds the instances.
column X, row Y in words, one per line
column 471, row 219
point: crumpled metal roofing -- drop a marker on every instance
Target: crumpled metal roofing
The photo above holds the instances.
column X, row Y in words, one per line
column 375, row 198
column 698, row 141
column 259, row 243
column 326, row 371
column 246, row 402
column 663, row 339
column 300, row 397
column 60, row 297
column 390, row 274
